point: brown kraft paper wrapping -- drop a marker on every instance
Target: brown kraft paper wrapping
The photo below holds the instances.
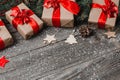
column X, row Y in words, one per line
column 5, row 36
column 96, row 12
column 25, row 30
column 66, row 17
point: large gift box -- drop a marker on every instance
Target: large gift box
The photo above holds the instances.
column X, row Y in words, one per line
column 60, row 13
column 5, row 37
column 24, row 20
column 104, row 13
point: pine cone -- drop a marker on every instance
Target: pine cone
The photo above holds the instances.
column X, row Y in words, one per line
column 86, row 31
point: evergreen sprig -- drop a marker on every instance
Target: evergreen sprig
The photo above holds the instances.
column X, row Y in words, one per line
column 36, row 6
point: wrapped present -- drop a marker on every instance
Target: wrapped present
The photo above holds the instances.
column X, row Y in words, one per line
column 60, row 13
column 104, row 13
column 24, row 20
column 5, row 37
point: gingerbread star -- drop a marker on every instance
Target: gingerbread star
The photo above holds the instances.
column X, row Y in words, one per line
column 50, row 39
column 110, row 34
column 3, row 61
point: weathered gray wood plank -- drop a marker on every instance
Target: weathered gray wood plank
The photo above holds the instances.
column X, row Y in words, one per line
column 101, row 68
column 33, row 60
column 22, row 46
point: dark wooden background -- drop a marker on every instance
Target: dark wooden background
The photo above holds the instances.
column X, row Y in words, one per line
column 94, row 58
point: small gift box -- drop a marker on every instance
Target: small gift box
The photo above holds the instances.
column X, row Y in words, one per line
column 104, row 13
column 24, row 20
column 60, row 12
column 5, row 37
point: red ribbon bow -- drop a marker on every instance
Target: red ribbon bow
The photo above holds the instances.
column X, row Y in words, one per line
column 1, row 23
column 2, row 44
column 23, row 17
column 71, row 6
column 109, row 10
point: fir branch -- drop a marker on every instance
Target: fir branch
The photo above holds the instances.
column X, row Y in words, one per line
column 36, row 6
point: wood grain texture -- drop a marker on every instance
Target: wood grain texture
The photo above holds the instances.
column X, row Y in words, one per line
column 90, row 59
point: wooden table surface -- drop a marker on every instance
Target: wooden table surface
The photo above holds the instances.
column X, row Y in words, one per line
column 90, row 59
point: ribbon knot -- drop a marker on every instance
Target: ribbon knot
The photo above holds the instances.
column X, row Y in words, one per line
column 109, row 10
column 1, row 23
column 52, row 3
column 69, row 5
column 23, row 16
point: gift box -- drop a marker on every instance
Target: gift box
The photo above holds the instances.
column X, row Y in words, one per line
column 104, row 13
column 60, row 13
column 5, row 37
column 24, row 20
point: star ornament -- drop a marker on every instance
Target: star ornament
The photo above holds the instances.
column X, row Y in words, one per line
column 71, row 40
column 110, row 34
column 3, row 61
column 49, row 39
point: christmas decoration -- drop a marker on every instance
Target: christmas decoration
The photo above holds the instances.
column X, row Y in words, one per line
column 104, row 12
column 86, row 31
column 37, row 7
column 5, row 37
column 71, row 39
column 60, row 12
column 24, row 20
column 49, row 39
column 3, row 61
column 110, row 34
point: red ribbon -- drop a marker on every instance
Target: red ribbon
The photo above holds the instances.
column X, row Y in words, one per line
column 23, row 16
column 69, row 5
column 109, row 10
column 2, row 44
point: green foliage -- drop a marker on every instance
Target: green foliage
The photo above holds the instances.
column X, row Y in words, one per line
column 118, row 19
column 36, row 6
